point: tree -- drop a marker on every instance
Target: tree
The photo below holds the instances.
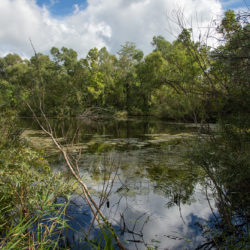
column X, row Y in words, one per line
column 129, row 58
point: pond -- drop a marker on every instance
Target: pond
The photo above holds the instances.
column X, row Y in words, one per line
column 152, row 196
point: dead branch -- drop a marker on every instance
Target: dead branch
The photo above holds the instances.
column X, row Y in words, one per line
column 75, row 172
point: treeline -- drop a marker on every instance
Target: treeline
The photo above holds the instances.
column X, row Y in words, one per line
column 180, row 80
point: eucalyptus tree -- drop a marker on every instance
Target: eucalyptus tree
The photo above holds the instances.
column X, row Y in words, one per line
column 232, row 62
column 108, row 67
column 225, row 157
column 175, row 79
column 129, row 58
column 149, row 72
column 13, row 72
column 100, row 78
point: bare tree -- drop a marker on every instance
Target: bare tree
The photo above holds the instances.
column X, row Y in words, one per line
column 72, row 161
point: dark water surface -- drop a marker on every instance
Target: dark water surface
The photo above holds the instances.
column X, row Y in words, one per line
column 155, row 199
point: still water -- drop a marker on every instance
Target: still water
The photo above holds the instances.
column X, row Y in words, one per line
column 153, row 197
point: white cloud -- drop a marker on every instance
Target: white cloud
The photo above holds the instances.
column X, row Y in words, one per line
column 103, row 23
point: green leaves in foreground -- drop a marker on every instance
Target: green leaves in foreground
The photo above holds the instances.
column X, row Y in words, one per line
column 28, row 190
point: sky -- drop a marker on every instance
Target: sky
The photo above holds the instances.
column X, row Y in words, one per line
column 84, row 24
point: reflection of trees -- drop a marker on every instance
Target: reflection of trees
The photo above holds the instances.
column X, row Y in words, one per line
column 176, row 184
column 225, row 161
column 87, row 128
column 161, row 164
column 140, row 163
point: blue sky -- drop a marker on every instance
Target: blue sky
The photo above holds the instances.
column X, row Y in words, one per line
column 62, row 7
column 84, row 24
column 235, row 4
column 66, row 7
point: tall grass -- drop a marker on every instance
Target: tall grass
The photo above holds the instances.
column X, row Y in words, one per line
column 28, row 190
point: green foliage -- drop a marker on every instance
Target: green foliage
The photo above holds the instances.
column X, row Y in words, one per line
column 182, row 80
column 105, row 241
column 224, row 155
column 129, row 58
column 28, row 190
column 225, row 160
column 229, row 24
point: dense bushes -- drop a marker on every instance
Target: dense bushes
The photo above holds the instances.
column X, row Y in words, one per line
column 224, row 157
column 28, row 190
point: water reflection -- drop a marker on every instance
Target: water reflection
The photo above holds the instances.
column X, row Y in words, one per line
column 156, row 199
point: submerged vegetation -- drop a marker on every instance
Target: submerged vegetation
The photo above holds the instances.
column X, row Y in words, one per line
column 181, row 81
